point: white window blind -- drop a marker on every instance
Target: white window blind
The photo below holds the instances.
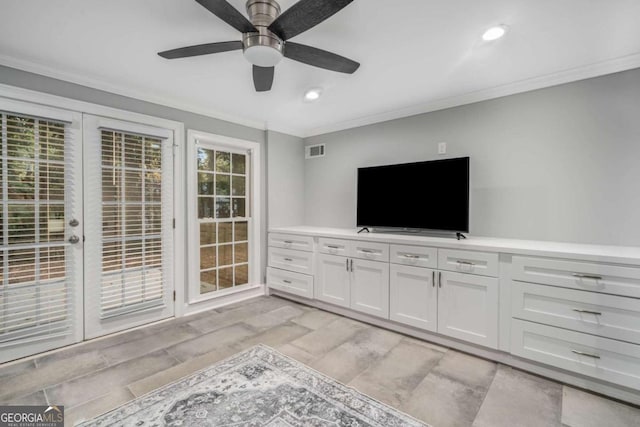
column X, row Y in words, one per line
column 132, row 217
column 36, row 295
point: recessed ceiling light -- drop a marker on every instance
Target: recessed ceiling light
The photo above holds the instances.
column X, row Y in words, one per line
column 312, row 94
column 494, row 33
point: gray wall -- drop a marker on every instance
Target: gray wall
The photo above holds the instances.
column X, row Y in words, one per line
column 560, row 163
column 285, row 180
column 19, row 78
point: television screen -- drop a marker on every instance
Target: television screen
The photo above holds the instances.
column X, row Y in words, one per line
column 427, row 195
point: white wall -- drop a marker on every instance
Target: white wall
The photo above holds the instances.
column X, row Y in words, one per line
column 285, row 193
column 561, row 163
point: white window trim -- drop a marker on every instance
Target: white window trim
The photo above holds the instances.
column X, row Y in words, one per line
column 44, row 100
column 193, row 136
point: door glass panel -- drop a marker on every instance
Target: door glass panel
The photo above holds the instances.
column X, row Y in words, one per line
column 35, row 290
column 132, row 272
column 222, row 218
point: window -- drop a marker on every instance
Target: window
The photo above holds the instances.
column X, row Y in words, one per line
column 223, row 211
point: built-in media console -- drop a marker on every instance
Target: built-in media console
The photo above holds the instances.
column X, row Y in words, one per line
column 570, row 312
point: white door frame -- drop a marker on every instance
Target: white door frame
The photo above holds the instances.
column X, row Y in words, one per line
column 96, row 326
column 74, row 106
column 73, row 209
column 193, row 273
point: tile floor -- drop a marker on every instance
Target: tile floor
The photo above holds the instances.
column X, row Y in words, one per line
column 441, row 386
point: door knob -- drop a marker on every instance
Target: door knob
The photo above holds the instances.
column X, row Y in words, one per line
column 74, row 239
column 74, row 222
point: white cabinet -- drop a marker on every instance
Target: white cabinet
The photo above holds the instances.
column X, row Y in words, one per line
column 468, row 307
column 413, row 296
column 332, row 282
column 291, row 282
column 370, row 287
column 361, row 285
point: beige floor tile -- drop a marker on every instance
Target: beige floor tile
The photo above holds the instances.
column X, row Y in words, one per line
column 296, row 353
column 98, row 406
column 518, row 399
column 174, row 373
column 314, row 319
column 328, row 337
column 273, row 337
column 394, row 377
column 361, row 351
column 273, row 318
column 583, row 409
column 209, row 342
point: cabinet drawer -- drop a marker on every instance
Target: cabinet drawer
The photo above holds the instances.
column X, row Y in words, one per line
column 287, row 259
column 291, row 241
column 287, row 281
column 609, row 279
column 605, row 315
column 369, row 250
column 482, row 263
column 333, row 246
column 417, row 256
column 609, row 360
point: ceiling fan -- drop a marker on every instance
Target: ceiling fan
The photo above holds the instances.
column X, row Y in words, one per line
column 265, row 39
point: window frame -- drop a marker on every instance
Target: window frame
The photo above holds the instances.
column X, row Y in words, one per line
column 253, row 218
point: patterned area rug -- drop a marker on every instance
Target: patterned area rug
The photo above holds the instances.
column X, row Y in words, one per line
column 258, row 387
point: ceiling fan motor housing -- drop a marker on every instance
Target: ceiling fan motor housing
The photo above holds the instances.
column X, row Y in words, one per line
column 262, row 48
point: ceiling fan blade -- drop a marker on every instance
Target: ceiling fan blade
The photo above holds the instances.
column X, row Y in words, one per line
column 319, row 58
column 228, row 14
column 304, row 15
column 263, row 78
column 201, row 49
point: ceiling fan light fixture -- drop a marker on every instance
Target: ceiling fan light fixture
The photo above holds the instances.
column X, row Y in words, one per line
column 494, row 33
column 263, row 56
column 313, row 94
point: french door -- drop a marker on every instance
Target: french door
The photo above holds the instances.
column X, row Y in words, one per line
column 86, row 236
column 41, row 264
column 128, row 225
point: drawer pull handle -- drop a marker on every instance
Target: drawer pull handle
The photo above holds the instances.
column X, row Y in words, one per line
column 587, row 276
column 579, row 310
column 465, row 263
column 288, row 242
column 333, row 247
column 367, row 251
column 288, row 282
column 411, row 256
column 288, row 259
column 582, row 353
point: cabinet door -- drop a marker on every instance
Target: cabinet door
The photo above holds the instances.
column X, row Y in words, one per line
column 413, row 296
column 468, row 307
column 332, row 276
column 370, row 287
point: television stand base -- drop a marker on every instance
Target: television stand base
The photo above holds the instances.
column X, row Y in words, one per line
column 363, row 229
column 460, row 236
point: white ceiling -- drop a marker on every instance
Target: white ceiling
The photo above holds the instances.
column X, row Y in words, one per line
column 416, row 55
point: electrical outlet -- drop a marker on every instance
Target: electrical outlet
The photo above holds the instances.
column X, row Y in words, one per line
column 442, row 148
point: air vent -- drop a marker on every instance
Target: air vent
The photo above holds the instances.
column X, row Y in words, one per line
column 313, row 151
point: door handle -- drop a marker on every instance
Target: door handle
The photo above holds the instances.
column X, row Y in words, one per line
column 439, row 279
column 352, row 265
column 347, row 262
column 74, row 239
column 433, row 279
column 74, row 222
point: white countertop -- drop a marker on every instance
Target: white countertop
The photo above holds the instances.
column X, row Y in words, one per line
column 598, row 253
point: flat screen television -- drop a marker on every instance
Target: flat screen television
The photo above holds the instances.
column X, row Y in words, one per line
column 431, row 195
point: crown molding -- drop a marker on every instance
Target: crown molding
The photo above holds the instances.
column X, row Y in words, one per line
column 549, row 80
column 566, row 76
column 127, row 91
